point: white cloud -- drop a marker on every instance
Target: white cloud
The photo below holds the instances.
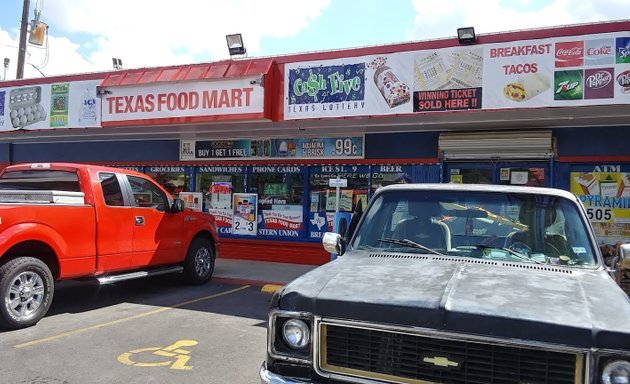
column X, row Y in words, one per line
column 147, row 33
column 441, row 19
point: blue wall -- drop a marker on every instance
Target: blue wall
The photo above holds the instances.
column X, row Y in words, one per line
column 402, row 145
column 609, row 141
column 101, row 151
column 5, row 152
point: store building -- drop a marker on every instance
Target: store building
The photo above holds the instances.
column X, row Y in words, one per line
column 257, row 141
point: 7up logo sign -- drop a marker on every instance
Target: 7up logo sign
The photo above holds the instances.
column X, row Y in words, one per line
column 568, row 85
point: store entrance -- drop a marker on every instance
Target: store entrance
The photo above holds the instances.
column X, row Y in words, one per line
column 499, row 173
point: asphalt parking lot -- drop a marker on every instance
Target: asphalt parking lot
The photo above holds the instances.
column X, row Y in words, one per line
column 144, row 331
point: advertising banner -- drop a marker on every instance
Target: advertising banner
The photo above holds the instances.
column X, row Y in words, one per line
column 192, row 200
column 45, row 106
column 183, row 99
column 223, row 217
column 296, row 148
column 576, row 70
column 606, row 196
column 283, row 219
column 244, row 214
column 220, row 195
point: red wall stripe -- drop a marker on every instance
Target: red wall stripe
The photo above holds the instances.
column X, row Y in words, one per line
column 274, row 251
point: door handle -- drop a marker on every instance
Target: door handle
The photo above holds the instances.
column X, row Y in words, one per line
column 139, row 220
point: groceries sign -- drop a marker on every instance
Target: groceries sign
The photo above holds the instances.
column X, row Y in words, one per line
column 575, row 70
column 197, row 100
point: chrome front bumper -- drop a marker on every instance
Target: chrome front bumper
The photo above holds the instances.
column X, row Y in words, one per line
column 268, row 377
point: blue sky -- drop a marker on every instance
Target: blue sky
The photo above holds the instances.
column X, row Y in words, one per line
column 84, row 35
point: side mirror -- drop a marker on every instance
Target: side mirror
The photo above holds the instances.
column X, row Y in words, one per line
column 333, row 243
column 178, row 206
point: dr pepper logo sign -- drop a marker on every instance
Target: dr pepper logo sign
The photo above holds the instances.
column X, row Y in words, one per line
column 599, row 84
column 327, row 84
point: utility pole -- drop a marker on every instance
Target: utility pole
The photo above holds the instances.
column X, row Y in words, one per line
column 22, row 48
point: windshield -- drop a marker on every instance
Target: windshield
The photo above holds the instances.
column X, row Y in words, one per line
column 498, row 226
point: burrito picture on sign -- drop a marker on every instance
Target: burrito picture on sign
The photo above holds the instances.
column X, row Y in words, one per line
column 526, row 87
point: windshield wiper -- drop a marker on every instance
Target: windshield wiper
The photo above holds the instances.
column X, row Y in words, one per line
column 511, row 252
column 410, row 243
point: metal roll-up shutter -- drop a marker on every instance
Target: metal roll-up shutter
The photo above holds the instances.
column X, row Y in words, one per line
column 496, row 145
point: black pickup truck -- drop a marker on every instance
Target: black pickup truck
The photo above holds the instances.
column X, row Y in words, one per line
column 452, row 283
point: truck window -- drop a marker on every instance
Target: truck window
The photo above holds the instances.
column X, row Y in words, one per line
column 146, row 194
column 111, row 189
column 40, row 180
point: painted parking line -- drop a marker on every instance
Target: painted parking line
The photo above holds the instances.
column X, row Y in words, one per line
column 270, row 288
column 129, row 318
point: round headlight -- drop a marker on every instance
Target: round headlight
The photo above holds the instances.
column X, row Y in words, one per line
column 617, row 372
column 296, row 333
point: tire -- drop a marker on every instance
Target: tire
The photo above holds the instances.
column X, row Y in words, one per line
column 26, row 292
column 199, row 263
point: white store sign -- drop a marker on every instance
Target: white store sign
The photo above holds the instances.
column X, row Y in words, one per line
column 185, row 99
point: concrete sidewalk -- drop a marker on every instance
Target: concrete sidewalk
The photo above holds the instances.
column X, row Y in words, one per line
column 257, row 273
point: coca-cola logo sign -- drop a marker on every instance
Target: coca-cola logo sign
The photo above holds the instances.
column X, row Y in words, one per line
column 569, row 54
column 564, row 54
column 599, row 79
column 624, row 79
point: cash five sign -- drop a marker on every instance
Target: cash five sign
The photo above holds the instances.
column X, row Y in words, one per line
column 183, row 101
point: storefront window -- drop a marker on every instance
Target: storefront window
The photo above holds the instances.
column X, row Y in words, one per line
column 218, row 184
column 532, row 177
column 322, row 198
column 280, row 192
column 383, row 175
column 173, row 179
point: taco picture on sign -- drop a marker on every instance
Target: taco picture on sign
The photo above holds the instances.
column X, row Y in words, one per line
column 526, row 87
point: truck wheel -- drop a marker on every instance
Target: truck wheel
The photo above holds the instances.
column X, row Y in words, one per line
column 26, row 291
column 199, row 263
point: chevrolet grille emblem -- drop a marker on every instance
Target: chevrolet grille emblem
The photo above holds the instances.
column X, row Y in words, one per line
column 440, row 361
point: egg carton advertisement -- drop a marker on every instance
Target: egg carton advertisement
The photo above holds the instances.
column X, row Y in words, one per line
column 46, row 106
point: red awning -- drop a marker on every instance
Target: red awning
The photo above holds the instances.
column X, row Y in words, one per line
column 209, row 71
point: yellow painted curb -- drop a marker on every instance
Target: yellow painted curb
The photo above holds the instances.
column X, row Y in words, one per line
column 270, row 288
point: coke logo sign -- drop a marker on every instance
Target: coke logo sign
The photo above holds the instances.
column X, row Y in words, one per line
column 569, row 53
column 600, row 51
column 599, row 79
column 624, row 79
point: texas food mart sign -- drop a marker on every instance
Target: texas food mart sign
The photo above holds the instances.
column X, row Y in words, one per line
column 192, row 101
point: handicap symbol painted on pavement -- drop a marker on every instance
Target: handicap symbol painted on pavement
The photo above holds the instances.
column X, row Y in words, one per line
column 178, row 357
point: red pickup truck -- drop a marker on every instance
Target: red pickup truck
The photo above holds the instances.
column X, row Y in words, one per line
column 66, row 221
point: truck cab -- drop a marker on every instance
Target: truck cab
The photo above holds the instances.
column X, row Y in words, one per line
column 446, row 283
column 65, row 221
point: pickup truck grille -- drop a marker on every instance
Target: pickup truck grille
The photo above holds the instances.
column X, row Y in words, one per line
column 419, row 359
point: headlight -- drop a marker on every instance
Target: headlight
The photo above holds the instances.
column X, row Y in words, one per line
column 616, row 372
column 296, row 334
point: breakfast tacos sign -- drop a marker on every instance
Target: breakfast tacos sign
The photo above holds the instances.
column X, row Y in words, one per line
column 575, row 70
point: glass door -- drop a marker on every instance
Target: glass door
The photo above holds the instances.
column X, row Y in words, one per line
column 535, row 174
column 469, row 173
